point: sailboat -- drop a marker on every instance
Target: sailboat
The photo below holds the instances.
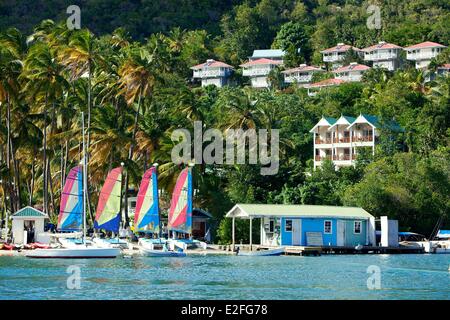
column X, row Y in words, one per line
column 107, row 216
column 180, row 213
column 147, row 219
column 73, row 210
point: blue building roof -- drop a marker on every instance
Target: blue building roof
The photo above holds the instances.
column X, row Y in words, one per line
column 268, row 53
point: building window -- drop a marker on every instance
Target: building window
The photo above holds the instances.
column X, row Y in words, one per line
column 357, row 227
column 271, row 225
column 288, row 226
column 327, row 229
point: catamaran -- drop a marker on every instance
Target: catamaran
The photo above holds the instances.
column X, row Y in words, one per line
column 107, row 216
column 72, row 215
column 147, row 219
column 180, row 213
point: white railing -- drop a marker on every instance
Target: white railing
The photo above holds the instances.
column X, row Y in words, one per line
column 293, row 78
column 380, row 56
column 333, row 57
column 421, row 56
column 209, row 73
column 256, row 71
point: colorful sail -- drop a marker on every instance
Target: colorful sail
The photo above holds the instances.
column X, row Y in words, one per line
column 180, row 214
column 146, row 217
column 71, row 207
column 108, row 208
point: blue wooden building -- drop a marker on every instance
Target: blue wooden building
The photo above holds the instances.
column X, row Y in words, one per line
column 308, row 225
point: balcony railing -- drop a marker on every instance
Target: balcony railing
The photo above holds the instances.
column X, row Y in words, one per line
column 294, row 78
column 380, row 56
column 342, row 157
column 333, row 57
column 421, row 56
column 256, row 72
column 323, row 141
column 341, row 140
column 209, row 73
column 363, row 139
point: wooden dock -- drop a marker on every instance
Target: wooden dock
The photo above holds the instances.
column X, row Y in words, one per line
column 319, row 250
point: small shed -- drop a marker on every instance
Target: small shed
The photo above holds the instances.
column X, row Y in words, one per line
column 27, row 224
column 201, row 224
column 308, row 225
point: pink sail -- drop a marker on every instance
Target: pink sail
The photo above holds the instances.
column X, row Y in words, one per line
column 71, row 207
column 180, row 213
column 108, row 208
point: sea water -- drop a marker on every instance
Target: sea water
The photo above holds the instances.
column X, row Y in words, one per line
column 228, row 277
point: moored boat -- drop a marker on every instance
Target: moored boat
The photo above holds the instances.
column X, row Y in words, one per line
column 82, row 252
column 260, row 253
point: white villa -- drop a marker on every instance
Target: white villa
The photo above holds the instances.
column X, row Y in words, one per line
column 339, row 139
column 317, row 86
column 258, row 71
column 422, row 53
column 213, row 72
column 336, row 55
column 260, row 64
column 383, row 55
column 352, row 72
column 301, row 75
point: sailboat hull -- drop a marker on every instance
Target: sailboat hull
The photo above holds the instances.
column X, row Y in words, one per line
column 161, row 253
column 74, row 253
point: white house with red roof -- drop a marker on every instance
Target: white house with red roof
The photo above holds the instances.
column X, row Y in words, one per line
column 336, row 54
column 383, row 55
column 353, row 72
column 301, row 75
column 422, row 53
column 212, row 72
column 315, row 87
column 443, row 70
column 258, row 71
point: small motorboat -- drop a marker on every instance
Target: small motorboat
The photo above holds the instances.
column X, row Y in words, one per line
column 111, row 243
column 81, row 252
column 261, row 253
column 148, row 250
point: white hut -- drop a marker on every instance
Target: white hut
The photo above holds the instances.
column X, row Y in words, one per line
column 27, row 218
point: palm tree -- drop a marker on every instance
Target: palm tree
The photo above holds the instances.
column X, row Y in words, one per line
column 44, row 85
column 80, row 57
column 137, row 79
column 12, row 48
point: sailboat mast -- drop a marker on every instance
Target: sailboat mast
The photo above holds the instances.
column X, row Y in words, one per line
column 84, row 180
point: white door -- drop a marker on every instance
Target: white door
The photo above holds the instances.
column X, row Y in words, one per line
column 340, row 232
column 296, row 232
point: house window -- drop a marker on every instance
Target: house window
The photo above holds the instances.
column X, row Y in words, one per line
column 327, row 227
column 357, row 227
column 288, row 226
column 271, row 225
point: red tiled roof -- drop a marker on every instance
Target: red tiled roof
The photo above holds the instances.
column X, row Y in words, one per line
column 382, row 45
column 212, row 63
column 303, row 68
column 327, row 83
column 426, row 44
column 340, row 48
column 445, row 66
column 261, row 61
column 352, row 67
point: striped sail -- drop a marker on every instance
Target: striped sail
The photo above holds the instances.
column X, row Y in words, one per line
column 108, row 208
column 71, row 207
column 146, row 217
column 180, row 214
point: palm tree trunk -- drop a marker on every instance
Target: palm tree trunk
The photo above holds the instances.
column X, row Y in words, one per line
column 33, row 172
column 130, row 155
column 46, row 206
column 52, row 194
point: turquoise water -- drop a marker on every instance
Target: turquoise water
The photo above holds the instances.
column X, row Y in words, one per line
column 229, row 277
